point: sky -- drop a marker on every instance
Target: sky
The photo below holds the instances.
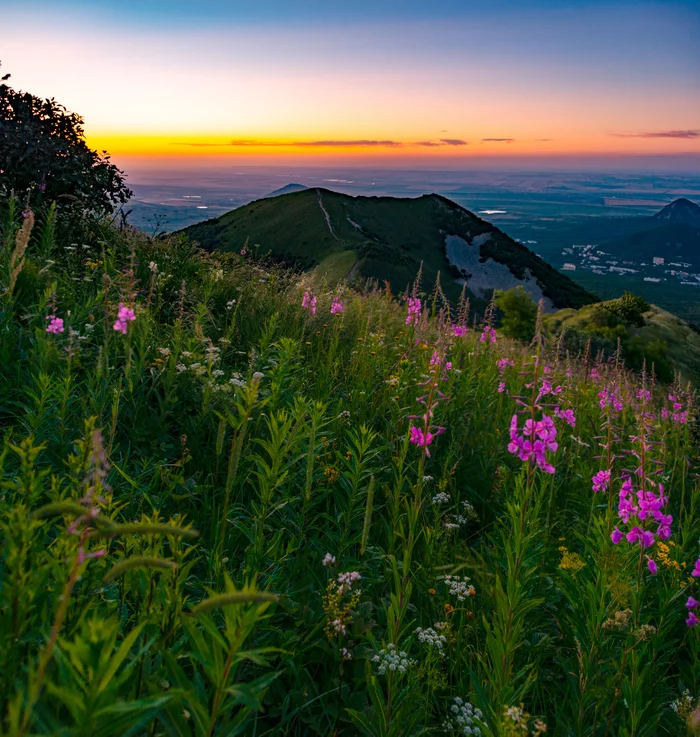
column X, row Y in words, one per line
column 366, row 81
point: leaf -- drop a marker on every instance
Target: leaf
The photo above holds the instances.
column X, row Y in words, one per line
column 239, row 597
column 118, row 658
column 138, row 562
column 149, row 528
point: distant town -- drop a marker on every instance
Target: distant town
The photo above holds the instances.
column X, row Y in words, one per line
column 590, row 257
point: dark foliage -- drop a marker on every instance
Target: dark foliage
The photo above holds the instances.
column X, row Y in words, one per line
column 43, row 153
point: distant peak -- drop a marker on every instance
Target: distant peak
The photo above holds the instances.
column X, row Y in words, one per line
column 681, row 210
column 287, row 189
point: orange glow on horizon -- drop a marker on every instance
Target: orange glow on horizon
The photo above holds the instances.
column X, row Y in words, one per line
column 188, row 146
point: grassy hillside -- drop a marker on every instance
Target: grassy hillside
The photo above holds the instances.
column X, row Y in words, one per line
column 231, row 507
column 386, row 238
column 659, row 336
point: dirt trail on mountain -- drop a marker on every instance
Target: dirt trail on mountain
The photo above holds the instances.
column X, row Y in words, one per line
column 327, row 216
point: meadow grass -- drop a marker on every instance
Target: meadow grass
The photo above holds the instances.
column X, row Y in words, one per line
column 224, row 512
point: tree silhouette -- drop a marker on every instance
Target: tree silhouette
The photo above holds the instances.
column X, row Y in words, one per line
column 43, row 152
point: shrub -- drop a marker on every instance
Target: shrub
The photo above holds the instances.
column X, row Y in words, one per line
column 43, row 152
column 519, row 313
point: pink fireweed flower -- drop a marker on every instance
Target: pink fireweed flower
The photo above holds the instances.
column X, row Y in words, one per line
column 601, row 481
column 696, row 570
column 125, row 315
column 424, row 439
column 488, row 335
column 644, row 537
column 692, row 620
column 308, row 302
column 337, row 307
column 55, row 325
column 616, row 536
column 536, row 440
column 502, row 387
column 459, row 331
column 565, row 414
column 547, row 388
column 651, row 565
column 414, row 310
column 692, row 603
column 609, row 398
column 644, row 395
column 503, row 364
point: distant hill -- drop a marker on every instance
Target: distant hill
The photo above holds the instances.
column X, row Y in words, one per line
column 673, row 234
column 680, row 211
column 387, row 238
column 287, row 189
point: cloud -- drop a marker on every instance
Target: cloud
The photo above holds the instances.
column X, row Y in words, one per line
column 499, row 140
column 331, row 143
column 362, row 143
column 660, row 134
column 542, row 140
column 359, row 143
column 442, row 142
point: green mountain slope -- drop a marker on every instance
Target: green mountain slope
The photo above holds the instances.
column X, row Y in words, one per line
column 661, row 337
column 387, row 238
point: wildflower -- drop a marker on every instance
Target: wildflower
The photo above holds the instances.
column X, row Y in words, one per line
column 692, row 620
column 308, row 302
column 337, row 307
column 538, row 438
column 692, row 603
column 414, row 310
column 431, row 638
column 651, row 565
column 346, row 580
column 696, row 570
column 55, row 325
column 153, row 267
column 418, row 437
column 503, row 363
column 347, row 655
column 601, row 481
column 460, row 587
column 616, row 536
column 442, row 497
column 488, row 335
column 390, row 659
column 501, row 387
column 609, row 398
column 567, row 415
column 464, row 718
column 459, row 331
column 570, row 561
column 124, row 317
column 619, row 621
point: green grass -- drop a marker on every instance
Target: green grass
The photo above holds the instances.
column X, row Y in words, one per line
column 168, row 497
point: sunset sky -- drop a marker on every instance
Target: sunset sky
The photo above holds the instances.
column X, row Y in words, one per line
column 313, row 80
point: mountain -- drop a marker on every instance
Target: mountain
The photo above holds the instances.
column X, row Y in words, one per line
column 680, row 211
column 387, row 239
column 673, row 234
column 287, row 189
